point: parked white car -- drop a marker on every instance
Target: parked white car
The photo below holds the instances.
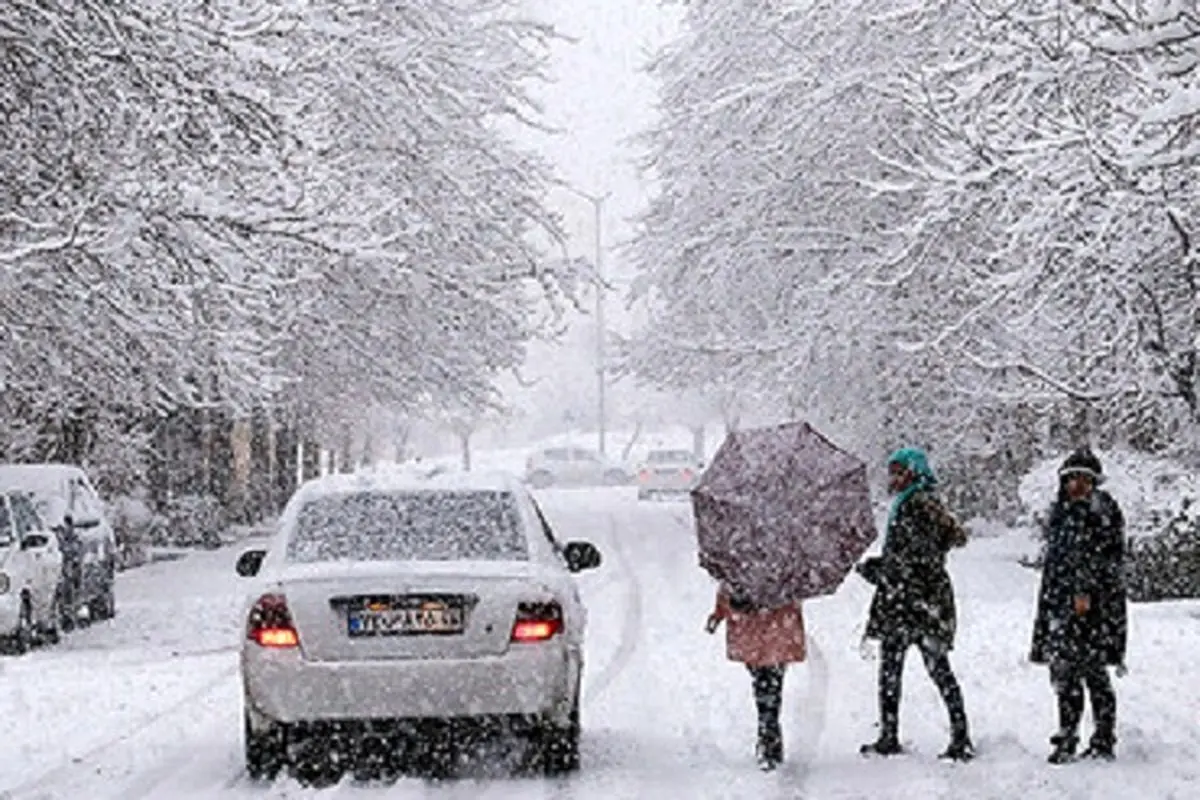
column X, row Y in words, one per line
column 668, row 472
column 30, row 569
column 389, row 602
column 70, row 507
column 572, row 466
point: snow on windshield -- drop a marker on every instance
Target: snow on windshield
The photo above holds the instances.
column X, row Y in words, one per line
column 670, row 457
column 409, row 526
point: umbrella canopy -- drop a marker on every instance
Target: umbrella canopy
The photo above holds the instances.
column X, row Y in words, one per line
column 782, row 514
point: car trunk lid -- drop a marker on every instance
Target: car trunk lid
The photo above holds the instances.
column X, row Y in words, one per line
column 413, row 610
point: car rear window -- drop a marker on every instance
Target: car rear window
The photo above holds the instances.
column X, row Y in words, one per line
column 409, row 526
column 670, row 457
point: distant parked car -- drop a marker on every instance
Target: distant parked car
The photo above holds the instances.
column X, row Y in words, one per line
column 30, row 574
column 573, row 466
column 70, row 507
column 388, row 610
column 667, row 472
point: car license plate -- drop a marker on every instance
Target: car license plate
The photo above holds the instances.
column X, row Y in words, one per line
column 405, row 617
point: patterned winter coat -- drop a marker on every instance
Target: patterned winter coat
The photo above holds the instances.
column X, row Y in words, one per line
column 1085, row 553
column 914, row 597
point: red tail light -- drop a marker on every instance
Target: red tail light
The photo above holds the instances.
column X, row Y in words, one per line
column 270, row 623
column 687, row 474
column 644, row 475
column 537, row 622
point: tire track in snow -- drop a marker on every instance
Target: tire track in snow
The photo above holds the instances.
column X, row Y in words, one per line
column 631, row 624
column 814, row 708
column 147, row 782
column 64, row 771
column 105, row 659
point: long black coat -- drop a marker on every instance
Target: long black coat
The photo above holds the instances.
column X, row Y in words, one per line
column 1085, row 554
column 914, row 597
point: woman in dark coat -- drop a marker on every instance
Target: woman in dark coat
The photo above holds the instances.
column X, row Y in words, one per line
column 914, row 600
column 1080, row 628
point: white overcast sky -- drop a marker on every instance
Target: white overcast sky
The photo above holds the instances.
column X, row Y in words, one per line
column 599, row 99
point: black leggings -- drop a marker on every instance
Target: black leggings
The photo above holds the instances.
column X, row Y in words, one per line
column 891, row 677
column 768, row 699
column 1069, row 680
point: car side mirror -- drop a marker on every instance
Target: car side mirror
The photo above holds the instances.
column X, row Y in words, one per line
column 250, row 562
column 35, row 541
column 581, row 556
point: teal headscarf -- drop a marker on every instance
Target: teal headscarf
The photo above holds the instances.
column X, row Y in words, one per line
column 915, row 461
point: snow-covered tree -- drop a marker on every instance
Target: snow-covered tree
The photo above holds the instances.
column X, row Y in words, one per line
column 931, row 222
column 753, row 255
column 210, row 207
column 1056, row 173
column 419, row 214
column 117, row 299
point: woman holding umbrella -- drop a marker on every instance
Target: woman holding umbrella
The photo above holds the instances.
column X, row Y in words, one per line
column 766, row 640
column 782, row 515
column 914, row 600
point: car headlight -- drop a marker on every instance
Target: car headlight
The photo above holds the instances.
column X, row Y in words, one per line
column 4, row 583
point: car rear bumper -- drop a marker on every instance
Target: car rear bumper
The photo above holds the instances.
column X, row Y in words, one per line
column 536, row 679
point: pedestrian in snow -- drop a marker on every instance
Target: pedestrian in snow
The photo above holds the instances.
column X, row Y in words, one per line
column 1080, row 628
column 914, row 600
column 766, row 640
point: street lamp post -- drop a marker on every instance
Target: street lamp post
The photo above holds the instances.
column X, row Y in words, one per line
column 597, row 202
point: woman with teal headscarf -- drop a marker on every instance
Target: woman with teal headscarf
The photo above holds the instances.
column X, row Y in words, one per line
column 914, row 599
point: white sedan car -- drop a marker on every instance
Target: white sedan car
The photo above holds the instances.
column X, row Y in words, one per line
column 387, row 604
column 30, row 575
column 668, row 472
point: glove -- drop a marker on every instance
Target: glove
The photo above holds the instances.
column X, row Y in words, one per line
column 1121, row 671
column 866, row 649
column 869, row 570
column 712, row 624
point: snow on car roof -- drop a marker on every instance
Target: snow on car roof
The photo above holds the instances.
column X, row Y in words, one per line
column 36, row 477
column 411, row 479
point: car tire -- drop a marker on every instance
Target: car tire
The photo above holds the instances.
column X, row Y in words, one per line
column 266, row 751
column 559, row 744
column 19, row 641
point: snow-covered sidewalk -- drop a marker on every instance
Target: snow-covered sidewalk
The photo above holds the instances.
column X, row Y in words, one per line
column 148, row 706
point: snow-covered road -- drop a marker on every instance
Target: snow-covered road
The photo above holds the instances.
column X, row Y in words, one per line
column 147, row 706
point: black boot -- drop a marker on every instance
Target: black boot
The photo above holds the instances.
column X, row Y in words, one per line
column 960, row 749
column 1065, row 744
column 769, row 751
column 1102, row 746
column 888, row 744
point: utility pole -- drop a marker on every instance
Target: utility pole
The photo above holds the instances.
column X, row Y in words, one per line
column 597, row 202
